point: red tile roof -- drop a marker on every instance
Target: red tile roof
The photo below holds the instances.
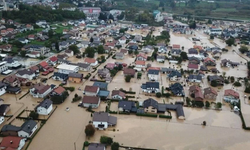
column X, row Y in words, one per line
column 44, row 64
column 129, row 71
column 176, row 46
column 153, row 68
column 90, row 99
column 53, row 59
column 193, row 66
column 89, row 88
column 142, row 55
column 140, row 62
column 10, row 141
column 90, row 60
column 230, row 92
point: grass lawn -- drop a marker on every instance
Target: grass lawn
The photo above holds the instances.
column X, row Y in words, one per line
column 225, row 10
column 24, row 34
column 35, row 42
column 59, row 28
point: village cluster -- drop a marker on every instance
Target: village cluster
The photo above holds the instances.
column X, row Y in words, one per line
column 151, row 80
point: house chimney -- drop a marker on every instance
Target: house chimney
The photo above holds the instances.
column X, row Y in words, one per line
column 11, row 142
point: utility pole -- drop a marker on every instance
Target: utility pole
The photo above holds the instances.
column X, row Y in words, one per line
column 75, row 145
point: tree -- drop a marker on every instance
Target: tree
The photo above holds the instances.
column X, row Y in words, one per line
column 127, row 78
column 184, row 56
column 89, row 130
column 207, row 104
column 34, row 115
column 158, row 94
column 106, row 140
column 204, row 123
column 75, row 49
column 188, row 101
column 115, row 146
column 237, row 84
column 230, row 41
column 243, row 49
column 57, row 46
column 218, row 105
column 232, row 79
column 211, row 37
column 111, row 17
column 90, row 51
column 50, row 33
column 18, row 44
column 209, row 21
column 102, row 16
column 23, row 53
column 192, row 25
column 100, row 49
column 121, row 16
column 247, row 89
column 119, row 67
column 91, row 40
column 214, row 83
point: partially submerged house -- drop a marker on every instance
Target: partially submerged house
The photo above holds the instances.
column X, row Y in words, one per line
column 45, row 107
column 101, row 120
column 231, row 96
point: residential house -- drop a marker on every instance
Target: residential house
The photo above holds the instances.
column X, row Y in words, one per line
column 129, row 72
column 196, row 92
column 3, row 66
column 192, row 51
column 27, row 128
column 35, row 69
column 176, row 52
column 150, row 106
column 228, row 63
column 91, row 90
column 147, row 49
column 138, row 38
column 40, row 91
column 117, row 94
column 141, row 56
column 4, row 108
column 153, row 75
column 31, row 37
column 162, row 49
column 209, row 62
column 63, row 45
column 26, row 73
column 11, row 63
column 160, row 58
column 193, row 66
column 101, row 85
column 60, row 76
column 203, row 68
column 103, row 73
column 29, row 27
column 12, row 142
column 66, row 69
column 231, row 96
column 177, row 89
column 96, row 146
column 139, row 65
column 151, row 87
column 3, row 87
column 218, row 79
column 12, row 80
column 178, row 108
column 6, row 48
column 127, row 106
column 122, row 40
column 33, row 54
column 174, row 75
column 91, row 101
column 119, row 55
column 107, row 49
column 53, row 60
column 210, row 93
column 158, row 45
column 83, row 66
column 70, row 53
column 101, row 120
column 216, row 54
column 75, row 77
column 193, row 60
column 23, row 40
column 91, row 61
column 110, row 66
column 195, row 78
column 167, row 70
column 62, row 56
column 85, row 44
column 58, row 91
column 44, row 66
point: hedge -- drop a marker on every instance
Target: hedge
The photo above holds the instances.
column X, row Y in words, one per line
column 113, row 112
column 127, row 92
column 147, row 115
column 127, row 97
column 24, row 95
column 71, row 89
column 243, row 122
column 125, row 113
column 165, row 116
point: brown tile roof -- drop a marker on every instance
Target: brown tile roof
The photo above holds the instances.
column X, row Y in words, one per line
column 89, row 60
column 230, row 92
column 118, row 92
column 176, row 46
column 6, row 142
column 89, row 88
column 210, row 90
column 140, row 62
column 11, row 78
column 129, row 71
column 90, row 99
column 59, row 90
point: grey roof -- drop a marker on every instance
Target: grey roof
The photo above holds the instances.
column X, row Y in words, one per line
column 126, row 105
column 83, row 65
column 104, row 117
column 61, row 75
column 192, row 51
column 161, row 108
column 150, row 102
column 101, row 85
column 150, row 85
column 119, row 54
column 160, row 57
column 2, row 84
column 197, row 77
column 177, row 51
column 177, row 107
column 155, row 72
column 9, row 127
column 112, row 120
column 75, row 75
column 215, row 77
column 28, row 126
column 25, row 71
column 177, row 89
column 103, row 93
column 174, row 73
column 96, row 146
column 45, row 103
column 167, row 69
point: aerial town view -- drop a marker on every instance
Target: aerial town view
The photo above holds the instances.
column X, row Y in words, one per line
column 124, row 75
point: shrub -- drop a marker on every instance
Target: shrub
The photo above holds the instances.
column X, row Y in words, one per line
column 71, row 89
column 106, row 140
column 158, row 94
column 247, row 89
column 34, row 115
column 243, row 49
column 127, row 78
column 214, row 83
column 86, row 143
column 237, row 84
column 226, row 81
column 165, row 116
column 89, row 130
column 207, row 104
column 218, row 105
column 115, row 146
column 232, row 79
column 147, row 115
